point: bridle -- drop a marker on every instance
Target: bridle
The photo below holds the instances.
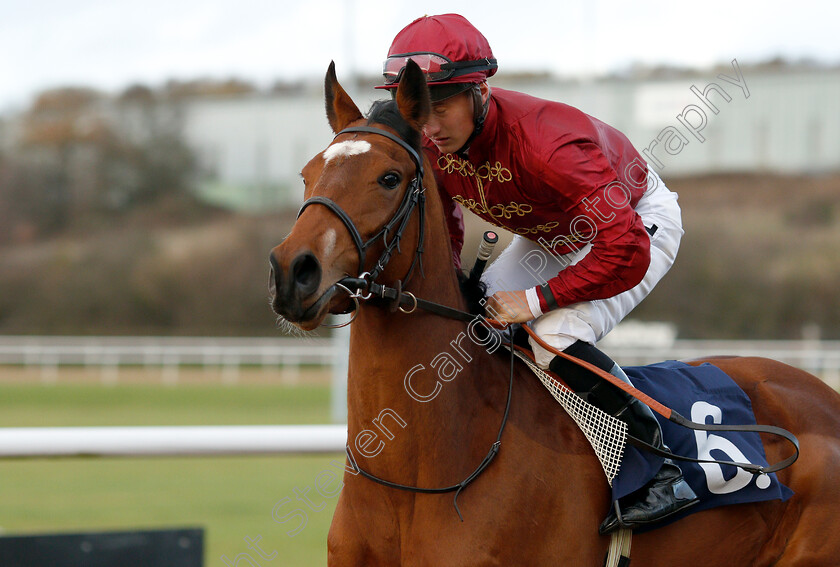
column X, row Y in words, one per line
column 366, row 287
column 414, row 197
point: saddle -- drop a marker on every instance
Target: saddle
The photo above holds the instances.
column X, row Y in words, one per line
column 702, row 392
column 719, row 446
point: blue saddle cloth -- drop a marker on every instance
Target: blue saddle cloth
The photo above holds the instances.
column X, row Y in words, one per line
column 703, row 394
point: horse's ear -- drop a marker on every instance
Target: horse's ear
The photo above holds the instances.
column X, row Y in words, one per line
column 341, row 110
column 413, row 98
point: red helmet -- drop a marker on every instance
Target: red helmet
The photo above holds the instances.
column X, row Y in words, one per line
column 448, row 48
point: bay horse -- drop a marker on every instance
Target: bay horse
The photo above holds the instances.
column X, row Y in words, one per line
column 425, row 400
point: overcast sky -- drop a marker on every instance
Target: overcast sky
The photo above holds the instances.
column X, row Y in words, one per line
column 110, row 44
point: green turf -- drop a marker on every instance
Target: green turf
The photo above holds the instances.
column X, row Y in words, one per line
column 231, row 498
column 37, row 405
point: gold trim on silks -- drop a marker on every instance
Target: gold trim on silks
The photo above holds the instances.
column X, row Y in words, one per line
column 547, row 227
column 495, row 173
column 496, row 211
column 450, row 163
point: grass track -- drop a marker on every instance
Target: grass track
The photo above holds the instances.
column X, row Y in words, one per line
column 230, row 497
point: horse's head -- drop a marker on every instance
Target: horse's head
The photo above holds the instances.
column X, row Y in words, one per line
column 359, row 194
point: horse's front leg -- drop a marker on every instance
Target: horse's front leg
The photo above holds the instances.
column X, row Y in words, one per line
column 344, row 547
column 359, row 535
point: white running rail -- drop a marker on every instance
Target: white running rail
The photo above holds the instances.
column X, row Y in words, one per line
column 32, row 442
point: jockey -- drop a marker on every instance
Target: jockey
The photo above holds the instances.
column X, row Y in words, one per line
column 595, row 228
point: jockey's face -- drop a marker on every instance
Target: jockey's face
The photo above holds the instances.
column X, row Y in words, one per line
column 451, row 122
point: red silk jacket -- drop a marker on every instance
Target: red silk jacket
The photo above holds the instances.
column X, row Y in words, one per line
column 559, row 177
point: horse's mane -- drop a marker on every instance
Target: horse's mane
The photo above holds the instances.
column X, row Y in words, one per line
column 385, row 112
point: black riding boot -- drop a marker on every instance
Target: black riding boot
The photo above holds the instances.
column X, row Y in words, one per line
column 667, row 493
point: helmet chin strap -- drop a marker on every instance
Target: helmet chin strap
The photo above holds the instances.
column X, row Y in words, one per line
column 480, row 111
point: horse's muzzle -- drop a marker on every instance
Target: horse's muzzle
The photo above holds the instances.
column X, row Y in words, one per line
column 293, row 290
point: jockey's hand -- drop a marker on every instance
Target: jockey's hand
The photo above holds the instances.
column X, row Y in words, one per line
column 509, row 307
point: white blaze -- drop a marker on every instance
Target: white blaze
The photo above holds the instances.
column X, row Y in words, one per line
column 346, row 148
column 328, row 241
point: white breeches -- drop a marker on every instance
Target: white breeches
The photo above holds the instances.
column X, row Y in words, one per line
column 589, row 321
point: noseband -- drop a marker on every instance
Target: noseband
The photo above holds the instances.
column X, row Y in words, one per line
column 414, row 196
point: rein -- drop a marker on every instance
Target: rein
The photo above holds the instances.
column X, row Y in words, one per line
column 406, row 301
column 456, row 488
column 405, row 298
column 366, row 288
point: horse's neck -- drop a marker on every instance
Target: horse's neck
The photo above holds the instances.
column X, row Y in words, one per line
column 420, row 375
column 385, row 345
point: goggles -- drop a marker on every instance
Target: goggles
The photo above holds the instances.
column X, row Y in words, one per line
column 435, row 66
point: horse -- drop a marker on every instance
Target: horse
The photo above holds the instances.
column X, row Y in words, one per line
column 426, row 395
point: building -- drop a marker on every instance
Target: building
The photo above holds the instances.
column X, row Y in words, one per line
column 730, row 119
column 251, row 146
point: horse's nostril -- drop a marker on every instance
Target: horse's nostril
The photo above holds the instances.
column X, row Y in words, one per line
column 272, row 282
column 306, row 271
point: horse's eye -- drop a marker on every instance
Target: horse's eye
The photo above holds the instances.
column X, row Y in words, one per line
column 390, row 180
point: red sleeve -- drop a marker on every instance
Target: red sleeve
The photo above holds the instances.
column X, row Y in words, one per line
column 620, row 253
